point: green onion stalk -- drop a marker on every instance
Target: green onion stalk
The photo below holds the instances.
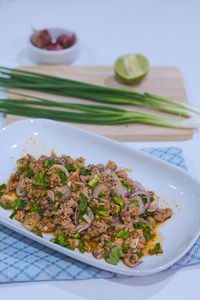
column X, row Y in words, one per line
column 85, row 113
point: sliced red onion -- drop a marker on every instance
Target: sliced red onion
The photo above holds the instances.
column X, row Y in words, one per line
column 100, row 188
column 65, row 190
column 76, row 215
column 69, row 183
column 107, row 172
column 50, row 208
column 19, row 193
column 140, row 202
column 126, row 194
column 130, row 265
column 119, row 189
column 62, row 168
column 115, row 219
column 96, row 252
column 55, row 157
column 50, row 195
column 90, row 219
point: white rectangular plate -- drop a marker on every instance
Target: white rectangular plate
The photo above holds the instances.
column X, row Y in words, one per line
column 179, row 189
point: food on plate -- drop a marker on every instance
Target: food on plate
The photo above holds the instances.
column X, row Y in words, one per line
column 96, row 208
column 43, row 40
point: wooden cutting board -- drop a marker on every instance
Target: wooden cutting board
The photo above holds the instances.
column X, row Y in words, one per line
column 165, row 81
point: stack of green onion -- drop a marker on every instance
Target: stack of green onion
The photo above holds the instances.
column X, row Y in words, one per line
column 36, row 107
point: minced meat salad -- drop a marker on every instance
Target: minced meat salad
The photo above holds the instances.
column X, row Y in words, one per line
column 94, row 208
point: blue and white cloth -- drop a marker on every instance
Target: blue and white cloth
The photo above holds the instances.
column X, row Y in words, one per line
column 22, row 259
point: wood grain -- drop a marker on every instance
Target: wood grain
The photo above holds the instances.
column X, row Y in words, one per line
column 161, row 80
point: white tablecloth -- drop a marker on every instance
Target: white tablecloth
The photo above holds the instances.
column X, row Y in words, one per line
column 167, row 32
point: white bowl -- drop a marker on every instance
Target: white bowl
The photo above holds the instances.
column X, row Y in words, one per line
column 59, row 57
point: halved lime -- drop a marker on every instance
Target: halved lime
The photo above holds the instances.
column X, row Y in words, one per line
column 131, row 67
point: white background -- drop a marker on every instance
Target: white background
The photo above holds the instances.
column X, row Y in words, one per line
column 167, row 32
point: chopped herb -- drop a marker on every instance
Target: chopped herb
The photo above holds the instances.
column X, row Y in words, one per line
column 126, row 247
column 156, row 250
column 93, row 181
column 89, row 191
column 49, row 163
column 93, row 208
column 76, row 235
column 152, row 199
column 118, row 201
column 63, row 177
column 146, row 214
column 58, row 194
column 126, row 235
column 113, row 237
column 126, row 184
column 13, row 214
column 61, row 240
column 140, row 254
column 158, row 246
column 34, row 208
column 22, row 169
column 134, row 202
column 1, row 194
column 41, row 211
column 144, row 199
column 53, row 213
column 121, row 221
column 6, row 206
column 19, row 203
column 148, row 236
column 83, row 202
column 103, row 213
column 120, row 233
column 70, row 168
column 2, row 187
column 97, row 217
column 41, row 180
column 81, row 246
column 141, row 225
column 38, row 233
column 108, row 243
column 79, row 166
column 86, row 172
column 115, row 254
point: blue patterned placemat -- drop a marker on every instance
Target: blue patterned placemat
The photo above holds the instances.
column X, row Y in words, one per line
column 22, row 259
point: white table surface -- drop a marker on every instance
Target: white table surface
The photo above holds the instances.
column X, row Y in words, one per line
column 167, row 32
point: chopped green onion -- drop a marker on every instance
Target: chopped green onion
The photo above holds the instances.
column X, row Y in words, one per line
column 85, row 172
column 70, row 168
column 93, row 181
column 13, row 214
column 83, row 202
column 20, row 203
column 58, row 194
column 49, row 163
column 115, row 254
column 2, row 186
column 120, row 233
